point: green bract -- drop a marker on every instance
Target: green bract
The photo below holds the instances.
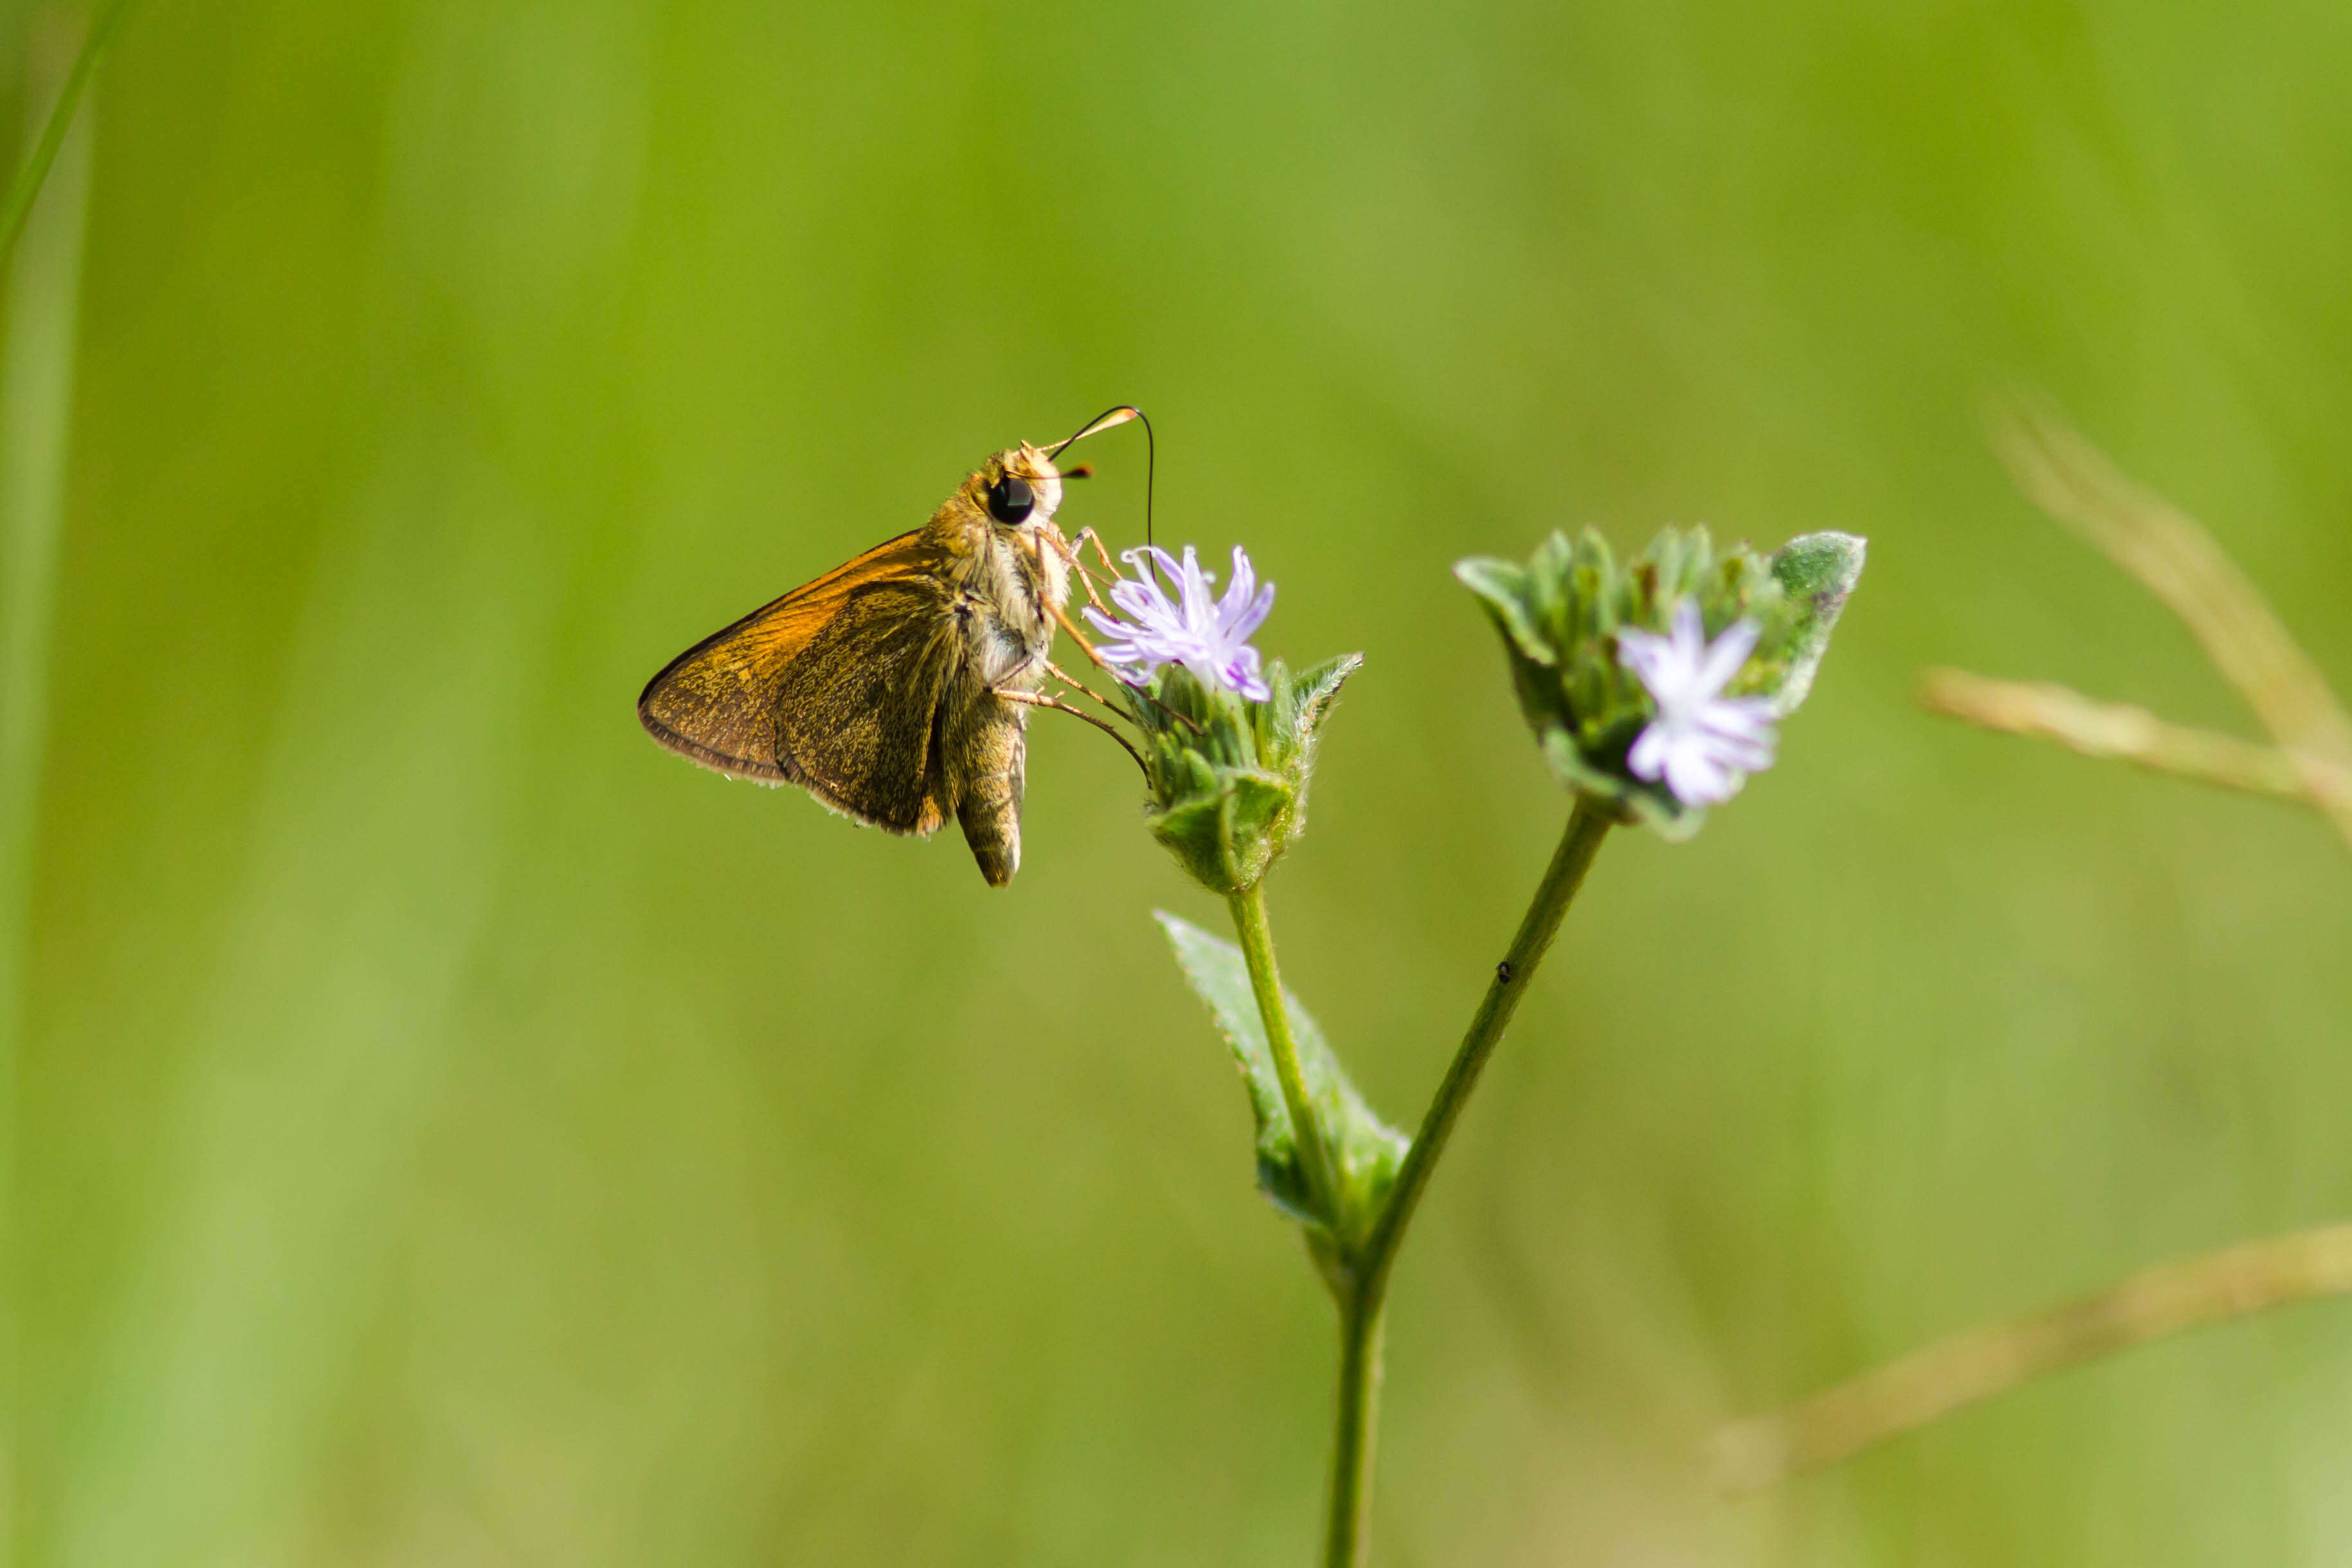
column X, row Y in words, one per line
column 1229, row 776
column 1559, row 615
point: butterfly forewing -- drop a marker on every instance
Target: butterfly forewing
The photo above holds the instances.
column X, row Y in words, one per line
column 794, row 691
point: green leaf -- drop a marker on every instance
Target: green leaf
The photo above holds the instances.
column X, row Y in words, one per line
column 1817, row 572
column 1365, row 1150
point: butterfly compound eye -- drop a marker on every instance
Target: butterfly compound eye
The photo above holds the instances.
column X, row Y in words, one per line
column 1010, row 499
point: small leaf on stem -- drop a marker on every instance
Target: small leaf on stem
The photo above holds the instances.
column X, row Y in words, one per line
column 1365, row 1150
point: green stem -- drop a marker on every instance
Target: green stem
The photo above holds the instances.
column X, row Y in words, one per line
column 29, row 178
column 1360, row 1306
column 1257, row 949
column 1346, row 1533
column 1359, row 1281
column 1588, row 825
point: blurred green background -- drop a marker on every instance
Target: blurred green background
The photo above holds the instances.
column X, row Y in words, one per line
column 453, row 1132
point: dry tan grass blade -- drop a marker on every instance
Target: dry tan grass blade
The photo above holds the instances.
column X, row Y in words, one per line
column 2174, row 559
column 2120, row 732
column 1909, row 1393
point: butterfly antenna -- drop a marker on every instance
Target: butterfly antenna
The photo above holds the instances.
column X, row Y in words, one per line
column 1119, row 413
column 1151, row 466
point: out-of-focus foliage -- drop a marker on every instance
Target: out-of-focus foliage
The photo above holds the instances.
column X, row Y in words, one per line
column 453, row 1131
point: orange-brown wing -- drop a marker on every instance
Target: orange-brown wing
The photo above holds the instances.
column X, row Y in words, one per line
column 832, row 687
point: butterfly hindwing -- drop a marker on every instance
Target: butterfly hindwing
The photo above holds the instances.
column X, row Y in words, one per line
column 857, row 714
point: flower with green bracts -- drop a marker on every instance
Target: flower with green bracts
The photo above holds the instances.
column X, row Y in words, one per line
column 1227, row 744
column 1653, row 685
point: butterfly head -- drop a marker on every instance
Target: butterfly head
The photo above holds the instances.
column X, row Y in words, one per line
column 1019, row 490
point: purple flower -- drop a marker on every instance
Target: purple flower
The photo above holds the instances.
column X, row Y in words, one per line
column 1701, row 744
column 1208, row 636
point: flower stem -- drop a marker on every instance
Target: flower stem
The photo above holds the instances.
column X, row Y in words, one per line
column 1588, row 825
column 1257, row 949
column 1346, row 1534
column 1361, row 1304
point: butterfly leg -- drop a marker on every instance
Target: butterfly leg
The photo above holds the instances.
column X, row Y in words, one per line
column 1061, row 618
column 1087, row 578
column 1033, row 699
column 1058, row 673
column 1089, row 536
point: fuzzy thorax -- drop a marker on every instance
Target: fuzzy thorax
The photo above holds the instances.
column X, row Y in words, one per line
column 1008, row 579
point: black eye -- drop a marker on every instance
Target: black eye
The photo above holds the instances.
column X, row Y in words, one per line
column 1010, row 499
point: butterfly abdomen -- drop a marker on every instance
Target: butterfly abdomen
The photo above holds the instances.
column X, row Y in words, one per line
column 990, row 745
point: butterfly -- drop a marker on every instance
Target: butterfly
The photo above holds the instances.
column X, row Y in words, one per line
column 896, row 688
